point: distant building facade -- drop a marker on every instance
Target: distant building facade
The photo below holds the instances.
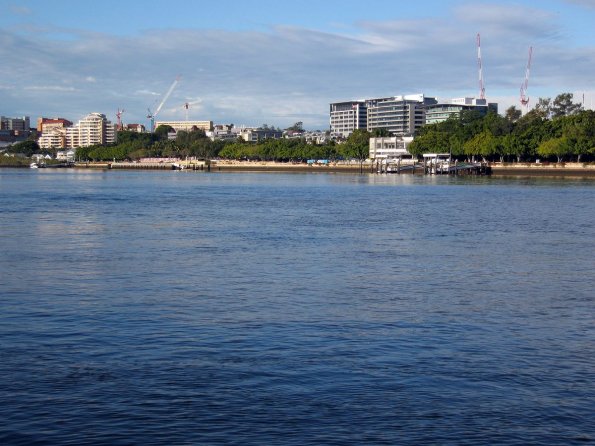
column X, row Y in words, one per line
column 255, row 135
column 440, row 112
column 399, row 115
column 18, row 125
column 47, row 124
column 138, row 128
column 345, row 117
column 187, row 126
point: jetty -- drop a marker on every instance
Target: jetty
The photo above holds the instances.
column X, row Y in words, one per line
column 432, row 164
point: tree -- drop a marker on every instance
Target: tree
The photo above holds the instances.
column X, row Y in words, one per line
column 484, row 144
column 558, row 147
column 27, row 148
column 563, row 106
column 543, row 108
column 513, row 114
column 357, row 146
column 430, row 142
column 380, row 133
column 162, row 131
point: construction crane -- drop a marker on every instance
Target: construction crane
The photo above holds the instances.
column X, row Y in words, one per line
column 525, row 84
column 153, row 115
column 482, row 89
column 119, row 116
column 186, row 106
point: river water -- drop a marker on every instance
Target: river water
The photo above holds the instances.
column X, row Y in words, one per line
column 295, row 309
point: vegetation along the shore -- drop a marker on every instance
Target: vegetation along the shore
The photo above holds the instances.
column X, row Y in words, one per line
column 557, row 130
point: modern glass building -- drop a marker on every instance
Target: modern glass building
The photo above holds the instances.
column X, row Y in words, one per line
column 399, row 115
column 440, row 112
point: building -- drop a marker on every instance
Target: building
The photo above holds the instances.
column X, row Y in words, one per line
column 187, row 126
column 345, row 117
column 138, row 128
column 224, row 132
column 389, row 147
column 399, row 115
column 255, row 135
column 16, row 125
column 440, row 112
column 47, row 124
column 93, row 129
column 55, row 138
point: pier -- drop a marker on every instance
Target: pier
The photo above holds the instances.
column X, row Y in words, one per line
column 433, row 164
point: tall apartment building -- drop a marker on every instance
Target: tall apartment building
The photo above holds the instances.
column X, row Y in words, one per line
column 345, row 117
column 440, row 112
column 93, row 129
column 400, row 115
column 52, row 132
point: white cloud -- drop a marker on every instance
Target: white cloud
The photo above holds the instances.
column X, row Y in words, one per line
column 287, row 74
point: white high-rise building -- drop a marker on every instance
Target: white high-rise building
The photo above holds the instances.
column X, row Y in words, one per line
column 93, row 129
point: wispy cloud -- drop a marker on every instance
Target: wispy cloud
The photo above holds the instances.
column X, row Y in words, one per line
column 279, row 74
column 20, row 10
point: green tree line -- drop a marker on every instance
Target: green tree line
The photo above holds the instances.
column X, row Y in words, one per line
column 558, row 129
column 132, row 146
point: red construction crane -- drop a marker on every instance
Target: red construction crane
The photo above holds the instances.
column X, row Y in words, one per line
column 482, row 90
column 525, row 84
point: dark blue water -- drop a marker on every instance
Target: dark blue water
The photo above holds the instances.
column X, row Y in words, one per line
column 295, row 309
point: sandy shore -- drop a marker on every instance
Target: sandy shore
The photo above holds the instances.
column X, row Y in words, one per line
column 544, row 169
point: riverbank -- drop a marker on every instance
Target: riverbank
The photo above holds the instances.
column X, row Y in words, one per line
column 497, row 169
column 544, row 169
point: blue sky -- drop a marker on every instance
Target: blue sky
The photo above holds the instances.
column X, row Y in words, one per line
column 254, row 62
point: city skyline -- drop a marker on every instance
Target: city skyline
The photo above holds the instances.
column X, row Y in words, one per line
column 250, row 63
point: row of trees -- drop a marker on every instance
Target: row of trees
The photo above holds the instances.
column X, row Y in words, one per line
column 195, row 144
column 557, row 129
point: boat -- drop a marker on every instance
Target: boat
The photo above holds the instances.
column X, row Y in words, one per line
column 33, row 166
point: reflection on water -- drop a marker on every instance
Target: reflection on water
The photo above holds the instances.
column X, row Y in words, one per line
column 195, row 308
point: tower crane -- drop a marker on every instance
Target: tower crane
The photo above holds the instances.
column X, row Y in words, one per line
column 482, row 89
column 153, row 115
column 525, row 84
column 119, row 116
column 186, row 106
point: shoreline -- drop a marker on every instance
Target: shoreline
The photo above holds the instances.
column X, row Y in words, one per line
column 544, row 169
column 497, row 169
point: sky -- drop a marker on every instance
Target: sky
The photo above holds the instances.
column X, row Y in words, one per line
column 278, row 62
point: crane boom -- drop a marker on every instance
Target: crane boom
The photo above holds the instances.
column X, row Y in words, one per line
column 171, row 89
column 153, row 115
column 482, row 89
column 525, row 84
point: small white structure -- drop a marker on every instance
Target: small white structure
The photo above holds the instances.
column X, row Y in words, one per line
column 389, row 147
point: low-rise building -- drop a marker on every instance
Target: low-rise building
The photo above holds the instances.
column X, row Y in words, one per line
column 187, row 126
column 389, row 147
column 138, row 128
column 255, row 135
